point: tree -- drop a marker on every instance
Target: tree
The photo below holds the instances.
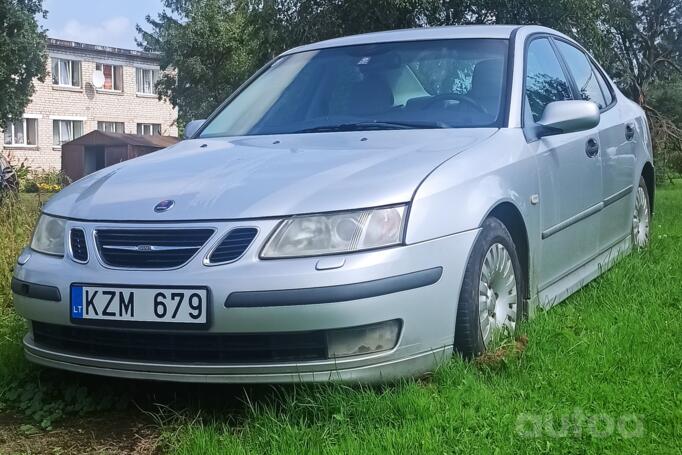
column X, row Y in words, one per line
column 206, row 52
column 645, row 38
column 22, row 56
column 664, row 101
column 208, row 47
column 213, row 45
column 282, row 24
column 569, row 16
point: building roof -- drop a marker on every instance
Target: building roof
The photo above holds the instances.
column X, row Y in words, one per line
column 101, row 138
column 415, row 34
column 64, row 45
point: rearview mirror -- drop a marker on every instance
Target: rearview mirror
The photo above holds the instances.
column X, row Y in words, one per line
column 562, row 117
column 192, row 127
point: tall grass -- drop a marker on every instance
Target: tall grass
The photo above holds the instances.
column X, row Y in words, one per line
column 611, row 351
column 42, row 395
column 602, row 373
column 18, row 215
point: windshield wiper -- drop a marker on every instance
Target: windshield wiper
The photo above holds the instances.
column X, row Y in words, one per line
column 363, row 126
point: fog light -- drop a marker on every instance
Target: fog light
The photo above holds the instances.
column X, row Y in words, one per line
column 363, row 340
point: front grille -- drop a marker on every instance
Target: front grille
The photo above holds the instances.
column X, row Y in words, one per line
column 149, row 248
column 233, row 245
column 182, row 346
column 79, row 249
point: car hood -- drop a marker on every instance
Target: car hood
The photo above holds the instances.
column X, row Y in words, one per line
column 265, row 176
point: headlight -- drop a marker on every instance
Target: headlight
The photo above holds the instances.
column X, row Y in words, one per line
column 48, row 237
column 316, row 235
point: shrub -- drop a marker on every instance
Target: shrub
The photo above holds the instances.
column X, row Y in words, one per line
column 42, row 181
column 664, row 109
column 18, row 218
column 48, row 188
column 28, row 186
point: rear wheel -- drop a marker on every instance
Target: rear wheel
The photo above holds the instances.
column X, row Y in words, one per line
column 491, row 300
column 641, row 219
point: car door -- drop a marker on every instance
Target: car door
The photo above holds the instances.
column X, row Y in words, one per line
column 616, row 136
column 569, row 168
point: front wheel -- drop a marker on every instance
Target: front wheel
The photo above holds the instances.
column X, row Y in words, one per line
column 641, row 220
column 491, row 300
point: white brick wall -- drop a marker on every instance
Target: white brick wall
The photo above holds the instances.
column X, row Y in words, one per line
column 50, row 102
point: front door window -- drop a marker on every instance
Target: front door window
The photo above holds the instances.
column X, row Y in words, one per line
column 545, row 80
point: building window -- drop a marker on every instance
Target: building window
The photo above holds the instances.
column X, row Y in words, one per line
column 149, row 129
column 111, row 127
column 22, row 132
column 113, row 76
column 66, row 73
column 146, row 79
column 66, row 130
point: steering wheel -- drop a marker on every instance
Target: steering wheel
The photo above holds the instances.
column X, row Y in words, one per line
column 454, row 96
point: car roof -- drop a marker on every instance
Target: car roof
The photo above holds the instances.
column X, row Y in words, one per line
column 416, row 34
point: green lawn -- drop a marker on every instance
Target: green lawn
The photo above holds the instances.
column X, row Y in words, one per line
column 601, row 373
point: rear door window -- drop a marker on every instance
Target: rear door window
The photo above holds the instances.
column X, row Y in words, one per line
column 605, row 87
column 583, row 74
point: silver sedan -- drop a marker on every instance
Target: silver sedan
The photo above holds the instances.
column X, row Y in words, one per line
column 357, row 211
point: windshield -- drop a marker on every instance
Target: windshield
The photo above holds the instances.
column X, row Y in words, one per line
column 458, row 83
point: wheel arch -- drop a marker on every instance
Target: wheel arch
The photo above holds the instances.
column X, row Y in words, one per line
column 649, row 175
column 513, row 220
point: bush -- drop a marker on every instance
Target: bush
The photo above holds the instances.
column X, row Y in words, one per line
column 22, row 171
column 18, row 218
column 42, row 181
column 38, row 181
column 665, row 114
column 28, row 186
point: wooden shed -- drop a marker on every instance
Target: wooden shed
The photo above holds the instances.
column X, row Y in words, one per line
column 97, row 149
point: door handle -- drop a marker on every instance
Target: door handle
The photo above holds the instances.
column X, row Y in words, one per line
column 592, row 148
column 629, row 132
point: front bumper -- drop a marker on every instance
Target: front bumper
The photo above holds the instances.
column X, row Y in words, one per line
column 427, row 312
column 381, row 370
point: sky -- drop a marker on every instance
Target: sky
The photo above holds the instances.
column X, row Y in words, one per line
column 105, row 22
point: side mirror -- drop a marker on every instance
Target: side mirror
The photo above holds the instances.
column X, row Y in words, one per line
column 192, row 127
column 562, row 117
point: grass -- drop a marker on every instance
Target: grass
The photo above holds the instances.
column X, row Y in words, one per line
column 600, row 373
column 17, row 219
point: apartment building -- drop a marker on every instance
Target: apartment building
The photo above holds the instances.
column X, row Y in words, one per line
column 88, row 87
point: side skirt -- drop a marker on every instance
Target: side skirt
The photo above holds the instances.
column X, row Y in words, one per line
column 577, row 279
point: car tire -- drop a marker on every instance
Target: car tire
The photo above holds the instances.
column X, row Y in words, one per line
column 641, row 219
column 483, row 315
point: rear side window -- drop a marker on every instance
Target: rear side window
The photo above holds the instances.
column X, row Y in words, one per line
column 583, row 74
column 605, row 87
column 545, row 79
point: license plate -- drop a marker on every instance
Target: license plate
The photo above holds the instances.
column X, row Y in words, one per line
column 139, row 304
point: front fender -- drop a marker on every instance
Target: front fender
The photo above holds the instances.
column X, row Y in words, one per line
column 459, row 194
